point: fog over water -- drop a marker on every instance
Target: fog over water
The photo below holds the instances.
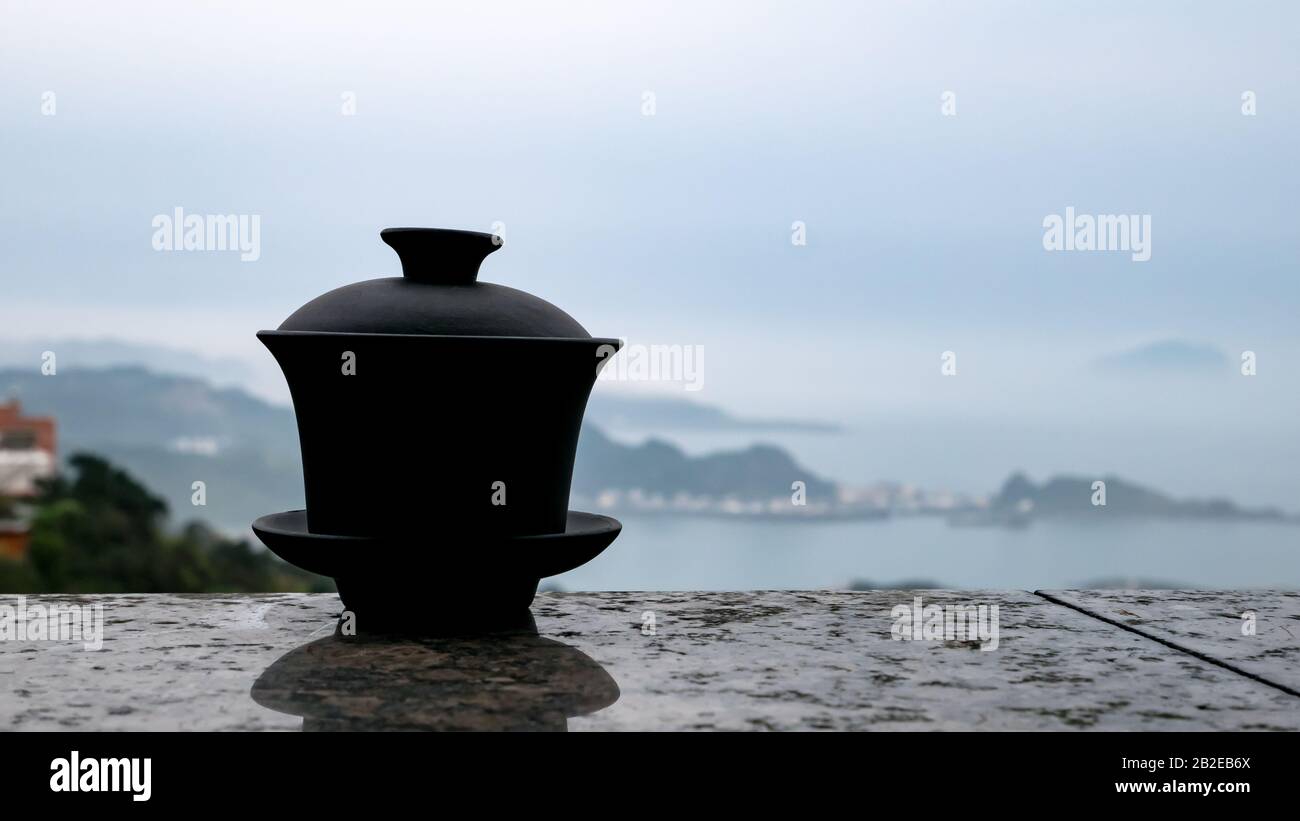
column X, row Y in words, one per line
column 666, row 553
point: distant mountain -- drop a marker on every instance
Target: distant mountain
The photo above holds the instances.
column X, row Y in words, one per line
column 653, row 413
column 172, row 430
column 110, row 353
column 670, row 413
column 1169, row 357
column 758, row 472
column 132, row 406
column 1072, row 496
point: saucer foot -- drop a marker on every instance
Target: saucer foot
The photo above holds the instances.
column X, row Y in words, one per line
column 437, row 582
column 377, row 606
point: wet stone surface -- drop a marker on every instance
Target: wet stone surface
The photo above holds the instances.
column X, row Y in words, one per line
column 661, row 661
column 1253, row 631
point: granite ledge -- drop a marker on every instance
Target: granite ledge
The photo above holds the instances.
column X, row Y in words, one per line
column 766, row 660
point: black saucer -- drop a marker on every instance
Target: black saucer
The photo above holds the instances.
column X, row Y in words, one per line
column 469, row 579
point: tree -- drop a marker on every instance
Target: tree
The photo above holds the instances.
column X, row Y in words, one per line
column 101, row 531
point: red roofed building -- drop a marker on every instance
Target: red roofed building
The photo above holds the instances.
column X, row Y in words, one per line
column 17, row 431
column 27, row 454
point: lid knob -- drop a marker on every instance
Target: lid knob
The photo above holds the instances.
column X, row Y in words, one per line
column 440, row 255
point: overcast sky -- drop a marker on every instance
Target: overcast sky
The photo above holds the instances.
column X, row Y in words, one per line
column 924, row 231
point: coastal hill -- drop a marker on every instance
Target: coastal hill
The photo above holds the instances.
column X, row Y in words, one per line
column 1072, row 496
column 172, row 430
column 759, row 472
column 1171, row 357
column 608, row 408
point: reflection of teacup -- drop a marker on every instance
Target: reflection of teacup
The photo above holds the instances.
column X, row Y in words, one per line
column 505, row 681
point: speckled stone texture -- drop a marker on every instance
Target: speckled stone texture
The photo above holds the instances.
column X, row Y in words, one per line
column 743, row 661
column 1210, row 623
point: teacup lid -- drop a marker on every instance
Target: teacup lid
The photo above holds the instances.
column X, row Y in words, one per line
column 437, row 294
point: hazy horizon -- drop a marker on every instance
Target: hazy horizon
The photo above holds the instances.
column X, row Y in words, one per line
column 1086, row 424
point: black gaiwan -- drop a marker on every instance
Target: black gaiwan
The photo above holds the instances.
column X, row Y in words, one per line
column 438, row 418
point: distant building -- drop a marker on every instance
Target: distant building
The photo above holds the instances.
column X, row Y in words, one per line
column 27, row 450
column 27, row 455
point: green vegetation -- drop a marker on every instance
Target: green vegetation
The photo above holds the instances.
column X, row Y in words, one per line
column 100, row 531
